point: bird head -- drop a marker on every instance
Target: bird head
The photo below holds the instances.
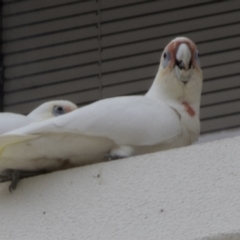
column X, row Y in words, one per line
column 180, row 57
column 52, row 109
column 179, row 76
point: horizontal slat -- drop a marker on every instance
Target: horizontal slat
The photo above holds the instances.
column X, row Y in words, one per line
column 53, row 77
column 220, row 58
column 220, row 110
column 25, row 6
column 131, row 62
column 171, row 29
column 51, row 90
column 146, row 8
column 129, row 75
column 51, row 65
column 78, row 98
column 219, row 45
column 49, row 52
column 48, row 14
column 127, row 88
column 221, row 84
column 220, row 123
column 118, row 3
column 167, row 17
column 50, row 39
column 220, row 72
column 48, row 27
column 158, row 44
column 220, row 97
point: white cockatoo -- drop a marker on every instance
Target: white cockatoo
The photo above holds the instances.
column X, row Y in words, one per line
column 166, row 117
column 10, row 121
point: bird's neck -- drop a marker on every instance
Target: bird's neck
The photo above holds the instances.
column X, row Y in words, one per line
column 177, row 94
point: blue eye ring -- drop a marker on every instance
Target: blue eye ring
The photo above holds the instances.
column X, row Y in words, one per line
column 58, row 110
column 166, row 58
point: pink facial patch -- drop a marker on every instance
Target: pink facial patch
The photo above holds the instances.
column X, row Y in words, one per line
column 68, row 109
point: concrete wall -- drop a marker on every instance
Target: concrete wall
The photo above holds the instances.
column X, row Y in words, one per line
column 191, row 193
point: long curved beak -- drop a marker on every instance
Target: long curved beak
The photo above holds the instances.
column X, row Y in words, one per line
column 183, row 57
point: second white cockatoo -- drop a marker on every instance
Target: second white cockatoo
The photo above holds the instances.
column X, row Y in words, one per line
column 10, row 121
column 166, row 117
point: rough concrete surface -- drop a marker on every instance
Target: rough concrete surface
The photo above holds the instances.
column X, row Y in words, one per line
column 192, row 193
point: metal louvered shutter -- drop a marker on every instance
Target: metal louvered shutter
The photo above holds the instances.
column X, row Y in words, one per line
column 51, row 51
column 86, row 50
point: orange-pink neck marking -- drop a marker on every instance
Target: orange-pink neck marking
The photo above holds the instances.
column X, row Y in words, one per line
column 188, row 109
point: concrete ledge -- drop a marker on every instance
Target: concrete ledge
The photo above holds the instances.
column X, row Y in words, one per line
column 191, row 193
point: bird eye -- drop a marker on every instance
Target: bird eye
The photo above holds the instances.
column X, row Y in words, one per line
column 166, row 59
column 58, row 110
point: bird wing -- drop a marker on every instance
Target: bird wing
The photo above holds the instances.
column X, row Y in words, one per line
column 135, row 120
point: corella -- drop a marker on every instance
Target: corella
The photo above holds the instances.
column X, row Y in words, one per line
column 166, row 117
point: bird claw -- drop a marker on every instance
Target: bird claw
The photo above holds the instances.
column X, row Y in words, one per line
column 15, row 175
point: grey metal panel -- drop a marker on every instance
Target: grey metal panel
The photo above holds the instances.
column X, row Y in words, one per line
column 130, row 62
column 129, row 75
column 171, row 29
column 221, row 97
column 25, row 6
column 48, row 27
column 80, row 97
column 126, row 88
column 51, row 90
column 219, row 45
column 159, row 43
column 216, row 111
column 50, row 52
column 146, row 8
column 52, row 77
column 118, row 3
column 220, row 123
column 220, row 58
column 50, row 39
column 75, row 8
column 51, row 65
column 220, row 72
column 166, row 17
column 221, row 84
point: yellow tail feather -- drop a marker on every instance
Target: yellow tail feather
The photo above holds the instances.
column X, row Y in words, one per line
column 6, row 140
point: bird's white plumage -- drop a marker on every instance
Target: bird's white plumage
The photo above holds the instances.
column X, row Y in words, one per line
column 166, row 117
